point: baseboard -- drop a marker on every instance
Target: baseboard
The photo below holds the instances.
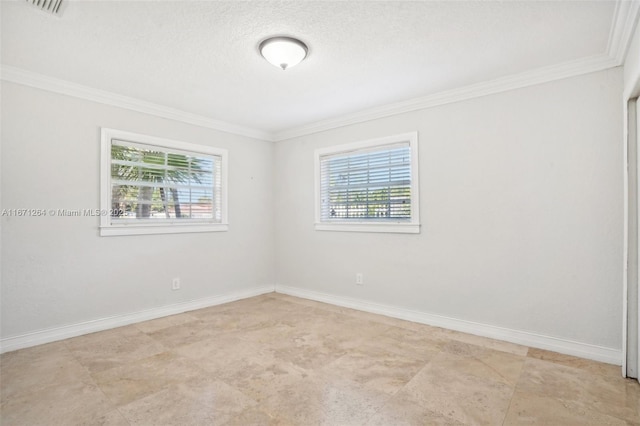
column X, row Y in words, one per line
column 72, row 330
column 569, row 347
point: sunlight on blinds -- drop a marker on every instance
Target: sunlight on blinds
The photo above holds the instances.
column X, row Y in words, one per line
column 372, row 184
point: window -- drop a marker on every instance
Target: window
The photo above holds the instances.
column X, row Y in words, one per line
column 369, row 186
column 155, row 186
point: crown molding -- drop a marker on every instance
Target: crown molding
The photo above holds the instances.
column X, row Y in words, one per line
column 503, row 84
column 624, row 21
column 39, row 81
column 625, row 18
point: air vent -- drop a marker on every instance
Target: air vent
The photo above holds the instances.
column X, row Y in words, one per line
column 53, row 7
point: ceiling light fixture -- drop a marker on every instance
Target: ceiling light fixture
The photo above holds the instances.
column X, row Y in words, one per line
column 283, row 52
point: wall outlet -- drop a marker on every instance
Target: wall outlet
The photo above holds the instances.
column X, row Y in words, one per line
column 359, row 279
column 175, row 284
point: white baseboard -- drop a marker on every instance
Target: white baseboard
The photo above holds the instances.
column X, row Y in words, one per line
column 72, row 330
column 569, row 347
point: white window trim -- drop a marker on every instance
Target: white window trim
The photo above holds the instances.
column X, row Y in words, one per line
column 107, row 228
column 411, row 227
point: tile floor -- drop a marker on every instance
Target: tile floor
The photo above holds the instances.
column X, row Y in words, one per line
column 280, row 360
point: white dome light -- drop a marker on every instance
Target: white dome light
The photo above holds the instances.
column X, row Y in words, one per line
column 283, row 52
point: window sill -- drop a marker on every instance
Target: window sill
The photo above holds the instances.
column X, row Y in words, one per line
column 114, row 230
column 397, row 228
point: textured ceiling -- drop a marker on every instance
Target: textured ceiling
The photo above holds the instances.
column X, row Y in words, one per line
column 202, row 58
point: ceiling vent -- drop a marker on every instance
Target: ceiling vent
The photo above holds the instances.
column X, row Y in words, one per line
column 53, row 7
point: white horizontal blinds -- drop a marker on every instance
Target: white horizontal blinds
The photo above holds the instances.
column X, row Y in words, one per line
column 155, row 183
column 372, row 184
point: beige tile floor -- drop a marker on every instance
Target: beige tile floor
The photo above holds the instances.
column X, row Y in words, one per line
column 280, row 360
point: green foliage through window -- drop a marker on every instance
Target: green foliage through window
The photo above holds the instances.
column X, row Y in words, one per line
column 154, row 183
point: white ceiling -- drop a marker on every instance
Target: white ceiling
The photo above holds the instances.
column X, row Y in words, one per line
column 201, row 56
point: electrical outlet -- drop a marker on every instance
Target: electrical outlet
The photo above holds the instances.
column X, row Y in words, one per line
column 175, row 284
column 359, row 279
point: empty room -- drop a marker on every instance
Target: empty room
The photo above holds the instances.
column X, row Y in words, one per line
column 319, row 212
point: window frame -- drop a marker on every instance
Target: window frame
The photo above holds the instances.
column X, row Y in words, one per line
column 411, row 226
column 108, row 228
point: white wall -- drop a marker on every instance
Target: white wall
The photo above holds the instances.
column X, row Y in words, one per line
column 632, row 66
column 58, row 271
column 631, row 91
column 521, row 206
column 522, row 213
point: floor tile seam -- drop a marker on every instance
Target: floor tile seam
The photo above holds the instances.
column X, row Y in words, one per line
column 427, row 366
column 386, row 328
column 578, row 371
column 123, row 416
column 520, row 383
column 377, row 410
column 487, row 347
column 622, row 419
column 68, row 353
column 244, row 338
column 112, row 405
column 299, row 304
column 618, row 410
column 128, row 340
column 416, row 327
column 81, row 364
column 397, row 391
column 217, row 308
column 474, row 378
column 427, row 333
column 27, row 393
column 194, row 320
column 395, row 349
column 439, row 410
column 192, row 363
column 139, row 360
column 266, row 405
column 92, row 382
column 125, row 362
column 506, row 413
column 163, row 388
column 148, row 333
column 162, row 342
column 587, row 371
column 404, row 355
column 513, row 393
column 121, row 407
column 237, row 389
column 65, row 342
column 587, row 406
column 565, row 401
column 499, row 374
column 387, row 402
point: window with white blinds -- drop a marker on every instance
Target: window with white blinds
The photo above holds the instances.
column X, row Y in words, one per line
column 152, row 185
column 368, row 186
